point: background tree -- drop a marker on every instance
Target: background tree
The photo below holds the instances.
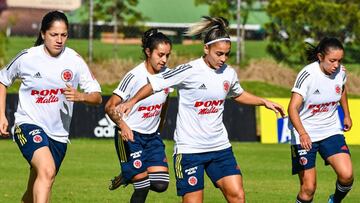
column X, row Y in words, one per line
column 3, row 38
column 227, row 9
column 298, row 21
column 105, row 10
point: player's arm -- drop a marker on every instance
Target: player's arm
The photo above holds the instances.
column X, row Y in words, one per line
column 250, row 99
column 163, row 114
column 293, row 110
column 111, row 109
column 345, row 107
column 92, row 98
column 143, row 93
column 3, row 121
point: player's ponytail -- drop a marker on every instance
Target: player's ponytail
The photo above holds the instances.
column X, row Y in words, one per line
column 151, row 38
column 47, row 22
column 323, row 47
column 213, row 28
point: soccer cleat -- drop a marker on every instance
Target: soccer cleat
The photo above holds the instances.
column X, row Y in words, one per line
column 117, row 181
column 331, row 199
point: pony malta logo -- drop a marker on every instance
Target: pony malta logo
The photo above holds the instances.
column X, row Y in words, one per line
column 208, row 107
column 324, row 107
column 47, row 95
column 150, row 111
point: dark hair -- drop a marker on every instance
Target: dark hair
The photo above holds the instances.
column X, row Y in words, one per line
column 323, row 48
column 47, row 22
column 212, row 27
column 152, row 38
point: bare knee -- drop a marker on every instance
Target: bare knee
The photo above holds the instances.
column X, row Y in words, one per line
column 235, row 196
column 346, row 178
column 46, row 174
column 308, row 190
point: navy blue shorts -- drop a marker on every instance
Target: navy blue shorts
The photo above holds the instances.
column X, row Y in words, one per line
column 302, row 159
column 189, row 169
column 31, row 137
column 135, row 157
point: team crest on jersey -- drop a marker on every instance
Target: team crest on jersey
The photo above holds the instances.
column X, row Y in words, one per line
column 166, row 90
column 226, row 85
column 137, row 163
column 67, row 75
column 303, row 161
column 37, row 139
column 337, row 89
column 192, row 180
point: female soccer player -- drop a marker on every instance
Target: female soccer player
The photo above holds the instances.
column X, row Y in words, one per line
column 315, row 124
column 50, row 73
column 140, row 149
column 201, row 140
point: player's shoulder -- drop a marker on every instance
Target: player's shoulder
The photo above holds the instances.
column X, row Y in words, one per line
column 71, row 54
column 138, row 71
column 227, row 69
column 309, row 70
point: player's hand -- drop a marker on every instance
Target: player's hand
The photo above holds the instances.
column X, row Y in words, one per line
column 125, row 108
column 3, row 126
column 72, row 94
column 277, row 108
column 126, row 133
column 305, row 141
column 347, row 124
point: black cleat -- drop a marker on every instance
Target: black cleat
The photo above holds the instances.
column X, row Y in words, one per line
column 117, row 181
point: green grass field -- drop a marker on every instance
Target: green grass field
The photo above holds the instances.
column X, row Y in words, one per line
column 90, row 163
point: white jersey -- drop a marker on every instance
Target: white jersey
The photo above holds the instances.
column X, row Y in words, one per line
column 321, row 94
column 43, row 78
column 202, row 93
column 145, row 115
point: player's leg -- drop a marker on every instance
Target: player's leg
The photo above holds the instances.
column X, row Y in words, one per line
column 225, row 174
column 141, row 184
column 303, row 164
column 157, row 163
column 159, row 178
column 28, row 195
column 232, row 188
column 133, row 167
column 336, row 153
column 44, row 165
column 307, row 185
column 189, row 173
column 35, row 147
column 193, row 197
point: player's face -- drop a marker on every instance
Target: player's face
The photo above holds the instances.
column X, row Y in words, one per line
column 55, row 38
column 158, row 58
column 331, row 60
column 216, row 54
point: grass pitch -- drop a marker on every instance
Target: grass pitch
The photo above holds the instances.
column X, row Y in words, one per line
column 90, row 163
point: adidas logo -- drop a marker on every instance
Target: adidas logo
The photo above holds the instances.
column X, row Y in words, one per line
column 316, row 91
column 37, row 75
column 203, row 87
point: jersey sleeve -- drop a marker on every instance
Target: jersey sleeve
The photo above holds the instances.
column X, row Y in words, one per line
column 170, row 78
column 87, row 82
column 302, row 83
column 344, row 76
column 11, row 71
column 235, row 88
column 125, row 87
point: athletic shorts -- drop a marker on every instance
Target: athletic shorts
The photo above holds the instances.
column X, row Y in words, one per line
column 302, row 159
column 189, row 169
column 31, row 137
column 147, row 150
